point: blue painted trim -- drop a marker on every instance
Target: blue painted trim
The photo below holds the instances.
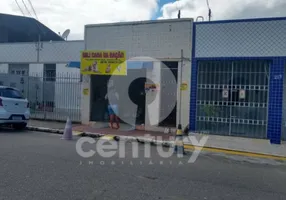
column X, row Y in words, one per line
column 275, row 103
column 130, row 65
column 241, row 58
column 242, row 20
column 74, row 64
column 193, row 84
column 139, row 65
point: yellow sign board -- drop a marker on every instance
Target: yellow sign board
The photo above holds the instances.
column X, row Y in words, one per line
column 103, row 62
column 85, row 91
column 184, row 86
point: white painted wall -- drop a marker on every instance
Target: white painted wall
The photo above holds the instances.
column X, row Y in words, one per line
column 185, row 95
column 157, row 39
column 18, row 53
column 63, row 70
column 85, row 100
column 61, row 52
column 36, row 69
column 161, row 40
column 3, row 71
column 4, row 68
column 52, row 52
column 67, row 87
column 238, row 39
column 153, row 99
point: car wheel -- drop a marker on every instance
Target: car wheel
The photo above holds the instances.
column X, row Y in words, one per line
column 20, row 126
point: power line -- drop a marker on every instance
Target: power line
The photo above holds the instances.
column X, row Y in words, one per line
column 208, row 4
column 38, row 44
column 20, row 8
column 179, row 11
column 36, row 22
column 26, row 8
column 209, row 9
column 33, row 9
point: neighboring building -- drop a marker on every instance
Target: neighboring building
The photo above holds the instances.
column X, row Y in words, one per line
column 45, row 78
column 24, row 29
column 237, row 78
column 162, row 40
column 34, row 59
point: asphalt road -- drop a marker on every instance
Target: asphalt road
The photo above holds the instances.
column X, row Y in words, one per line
column 42, row 166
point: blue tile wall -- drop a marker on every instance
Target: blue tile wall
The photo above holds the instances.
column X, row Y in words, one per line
column 193, row 83
column 193, row 103
column 275, row 104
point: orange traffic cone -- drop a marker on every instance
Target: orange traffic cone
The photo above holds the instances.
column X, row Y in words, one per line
column 68, row 130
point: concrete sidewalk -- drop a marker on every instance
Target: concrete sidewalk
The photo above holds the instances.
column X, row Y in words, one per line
column 95, row 131
column 47, row 124
column 240, row 144
column 223, row 144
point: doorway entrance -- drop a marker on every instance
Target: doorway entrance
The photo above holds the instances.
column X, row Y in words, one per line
column 168, row 91
column 232, row 97
column 137, row 95
column 99, row 104
column 135, row 91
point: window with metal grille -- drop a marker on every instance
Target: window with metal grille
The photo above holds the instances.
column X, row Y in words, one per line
column 50, row 72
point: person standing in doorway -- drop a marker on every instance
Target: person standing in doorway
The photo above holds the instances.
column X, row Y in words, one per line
column 113, row 99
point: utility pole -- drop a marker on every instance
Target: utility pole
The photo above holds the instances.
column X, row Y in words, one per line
column 179, row 11
column 39, row 47
column 180, row 90
column 210, row 14
column 179, row 143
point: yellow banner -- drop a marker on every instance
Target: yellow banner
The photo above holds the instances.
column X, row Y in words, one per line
column 184, row 86
column 103, row 62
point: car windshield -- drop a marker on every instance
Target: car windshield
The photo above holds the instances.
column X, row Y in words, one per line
column 10, row 93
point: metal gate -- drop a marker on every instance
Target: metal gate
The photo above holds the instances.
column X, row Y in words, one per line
column 232, row 97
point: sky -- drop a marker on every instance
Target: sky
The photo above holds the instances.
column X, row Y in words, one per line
column 60, row 15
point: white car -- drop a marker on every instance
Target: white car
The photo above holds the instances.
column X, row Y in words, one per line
column 14, row 108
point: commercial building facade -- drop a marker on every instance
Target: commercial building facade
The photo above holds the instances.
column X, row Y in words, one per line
column 234, row 71
column 158, row 43
column 238, row 78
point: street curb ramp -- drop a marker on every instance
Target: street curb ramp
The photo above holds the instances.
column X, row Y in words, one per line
column 47, row 130
column 153, row 142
